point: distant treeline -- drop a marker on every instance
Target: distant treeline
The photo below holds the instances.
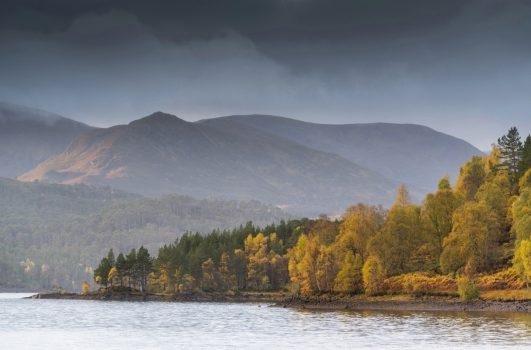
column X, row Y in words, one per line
column 454, row 240
column 52, row 235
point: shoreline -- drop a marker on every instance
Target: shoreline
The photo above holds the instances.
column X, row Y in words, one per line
column 324, row 303
column 406, row 303
column 183, row 297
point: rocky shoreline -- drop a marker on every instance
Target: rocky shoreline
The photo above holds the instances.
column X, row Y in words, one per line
column 329, row 303
column 402, row 303
column 182, row 297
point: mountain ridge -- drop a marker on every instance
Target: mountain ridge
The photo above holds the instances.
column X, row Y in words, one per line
column 304, row 167
column 212, row 162
column 386, row 148
column 30, row 136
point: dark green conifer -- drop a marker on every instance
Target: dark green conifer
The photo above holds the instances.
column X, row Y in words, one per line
column 510, row 147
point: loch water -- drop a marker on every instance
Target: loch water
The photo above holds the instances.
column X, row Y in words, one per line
column 80, row 324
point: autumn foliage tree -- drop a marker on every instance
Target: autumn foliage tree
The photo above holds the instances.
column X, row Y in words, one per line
column 349, row 279
column 479, row 226
column 471, row 246
column 373, row 276
column 521, row 212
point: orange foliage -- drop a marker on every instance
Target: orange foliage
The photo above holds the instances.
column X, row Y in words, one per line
column 505, row 279
column 420, row 284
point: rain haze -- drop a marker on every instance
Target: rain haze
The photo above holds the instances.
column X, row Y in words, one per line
column 461, row 67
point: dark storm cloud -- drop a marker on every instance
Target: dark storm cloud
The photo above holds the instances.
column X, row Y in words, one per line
column 463, row 67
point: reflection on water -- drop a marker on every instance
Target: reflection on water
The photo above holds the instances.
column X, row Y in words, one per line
column 71, row 324
column 15, row 295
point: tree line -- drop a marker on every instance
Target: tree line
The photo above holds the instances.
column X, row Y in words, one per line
column 52, row 235
column 479, row 226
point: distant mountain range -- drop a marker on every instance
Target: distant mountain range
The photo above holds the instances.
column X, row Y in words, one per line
column 408, row 153
column 303, row 167
column 29, row 136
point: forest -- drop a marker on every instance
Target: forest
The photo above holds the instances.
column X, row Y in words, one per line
column 52, row 236
column 463, row 238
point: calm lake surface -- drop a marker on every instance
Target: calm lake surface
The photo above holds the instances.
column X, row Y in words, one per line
column 75, row 324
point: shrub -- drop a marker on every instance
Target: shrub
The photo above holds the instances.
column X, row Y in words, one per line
column 506, row 279
column 522, row 260
column 188, row 284
column 420, row 284
column 467, row 289
column 85, row 288
column 373, row 276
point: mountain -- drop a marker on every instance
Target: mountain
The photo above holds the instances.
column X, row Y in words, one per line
column 162, row 154
column 57, row 231
column 412, row 154
column 30, row 136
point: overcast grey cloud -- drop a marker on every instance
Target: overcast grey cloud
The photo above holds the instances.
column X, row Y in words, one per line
column 462, row 67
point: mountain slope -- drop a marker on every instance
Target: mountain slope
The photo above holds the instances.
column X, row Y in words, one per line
column 30, row 136
column 162, row 154
column 66, row 228
column 413, row 154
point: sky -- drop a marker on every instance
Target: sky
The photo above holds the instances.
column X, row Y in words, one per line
column 461, row 67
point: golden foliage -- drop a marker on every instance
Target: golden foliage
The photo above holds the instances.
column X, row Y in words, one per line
column 373, row 276
column 420, row 284
column 507, row 295
column 472, row 244
column 360, row 224
column 471, row 176
column 506, row 279
column 85, row 288
column 349, row 278
column 522, row 260
column 467, row 288
column 113, row 275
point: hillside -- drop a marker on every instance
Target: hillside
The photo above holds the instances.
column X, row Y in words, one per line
column 30, row 136
column 412, row 154
column 58, row 231
column 162, row 154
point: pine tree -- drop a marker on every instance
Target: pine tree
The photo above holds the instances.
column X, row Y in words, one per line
column 239, row 264
column 121, row 267
column 525, row 161
column 130, row 270
column 101, row 273
column 144, row 265
column 110, row 257
column 510, row 147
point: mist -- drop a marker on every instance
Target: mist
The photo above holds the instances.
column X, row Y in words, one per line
column 463, row 68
